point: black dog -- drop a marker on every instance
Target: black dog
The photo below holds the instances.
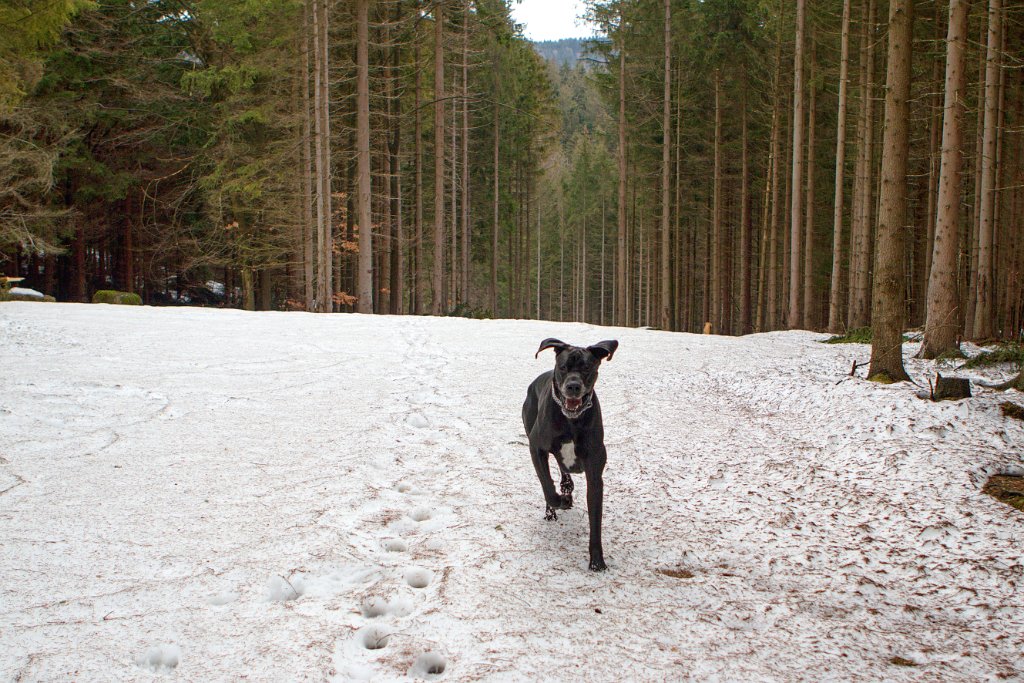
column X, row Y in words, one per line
column 563, row 417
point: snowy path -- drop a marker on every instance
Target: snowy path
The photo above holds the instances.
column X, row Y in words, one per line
column 212, row 495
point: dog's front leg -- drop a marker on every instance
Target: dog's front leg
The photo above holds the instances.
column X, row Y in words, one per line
column 595, row 501
column 551, row 499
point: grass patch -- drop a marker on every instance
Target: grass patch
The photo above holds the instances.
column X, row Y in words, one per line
column 1005, row 353
column 1012, row 410
column 1007, row 489
column 955, row 354
column 677, row 573
column 902, row 661
column 859, row 335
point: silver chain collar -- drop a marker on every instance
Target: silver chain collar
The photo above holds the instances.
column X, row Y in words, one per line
column 572, row 414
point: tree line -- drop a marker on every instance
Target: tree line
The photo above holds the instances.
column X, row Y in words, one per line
column 752, row 164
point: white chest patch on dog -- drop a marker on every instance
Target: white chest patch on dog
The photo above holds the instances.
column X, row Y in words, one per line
column 569, row 454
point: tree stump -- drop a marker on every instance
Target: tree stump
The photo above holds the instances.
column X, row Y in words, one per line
column 951, row 388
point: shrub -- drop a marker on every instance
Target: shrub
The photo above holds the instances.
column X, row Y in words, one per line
column 1006, row 353
column 111, row 296
column 860, row 335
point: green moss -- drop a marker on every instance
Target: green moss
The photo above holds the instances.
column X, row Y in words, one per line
column 111, row 296
column 860, row 335
column 955, row 354
column 881, row 378
column 7, row 296
column 1004, row 353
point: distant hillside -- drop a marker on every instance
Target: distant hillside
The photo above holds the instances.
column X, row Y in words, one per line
column 564, row 51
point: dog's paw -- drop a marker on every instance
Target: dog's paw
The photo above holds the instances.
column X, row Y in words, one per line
column 597, row 564
column 549, row 514
column 560, row 503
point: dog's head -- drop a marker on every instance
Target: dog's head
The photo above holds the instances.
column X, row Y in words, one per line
column 576, row 372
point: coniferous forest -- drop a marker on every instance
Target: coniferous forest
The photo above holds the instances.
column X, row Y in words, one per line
column 749, row 164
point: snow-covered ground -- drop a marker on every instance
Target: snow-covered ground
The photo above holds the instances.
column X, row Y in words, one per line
column 216, row 495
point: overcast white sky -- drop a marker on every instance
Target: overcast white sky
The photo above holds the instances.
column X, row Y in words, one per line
column 550, row 19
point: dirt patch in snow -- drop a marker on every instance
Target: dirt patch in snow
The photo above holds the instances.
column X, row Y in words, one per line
column 1008, row 489
column 677, row 573
column 1012, row 410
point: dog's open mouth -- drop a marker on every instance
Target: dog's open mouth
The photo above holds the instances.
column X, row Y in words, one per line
column 573, row 404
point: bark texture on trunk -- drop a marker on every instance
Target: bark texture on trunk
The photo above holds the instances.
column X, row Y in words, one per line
column 986, row 220
column 666, row 121
column 889, row 288
column 437, row 303
column 808, row 249
column 860, row 236
column 835, row 318
column 621, row 296
column 795, row 317
column 942, row 318
column 365, row 277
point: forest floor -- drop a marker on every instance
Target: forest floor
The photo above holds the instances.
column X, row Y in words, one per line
column 216, row 495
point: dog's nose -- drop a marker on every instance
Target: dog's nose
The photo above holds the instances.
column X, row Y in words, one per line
column 573, row 388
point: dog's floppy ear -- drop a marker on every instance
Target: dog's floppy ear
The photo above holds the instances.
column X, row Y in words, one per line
column 551, row 343
column 604, row 350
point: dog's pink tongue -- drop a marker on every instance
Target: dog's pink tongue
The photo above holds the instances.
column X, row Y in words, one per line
column 573, row 403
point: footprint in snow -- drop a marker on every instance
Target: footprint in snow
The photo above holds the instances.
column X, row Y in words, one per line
column 429, row 665
column 417, row 421
column 379, row 607
column 418, row 577
column 395, row 545
column 160, row 659
column 280, row 589
column 420, row 514
column 373, row 637
column 221, row 599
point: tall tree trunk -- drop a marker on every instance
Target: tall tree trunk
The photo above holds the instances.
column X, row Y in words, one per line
column 79, row 289
column 934, row 132
column 972, row 238
column 796, row 187
column 772, row 294
column 419, row 285
column 454, row 279
column 603, row 217
column 986, row 233
column 437, row 299
column 889, row 288
column 678, row 261
column 248, row 289
column 622, row 286
column 716, row 217
column 835, row 318
column 495, row 207
column 808, row 284
column 942, row 319
column 397, row 283
column 860, row 247
column 365, row 277
column 308, row 227
column 745, row 227
column 665, row 321
column 465, row 154
column 325, row 247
